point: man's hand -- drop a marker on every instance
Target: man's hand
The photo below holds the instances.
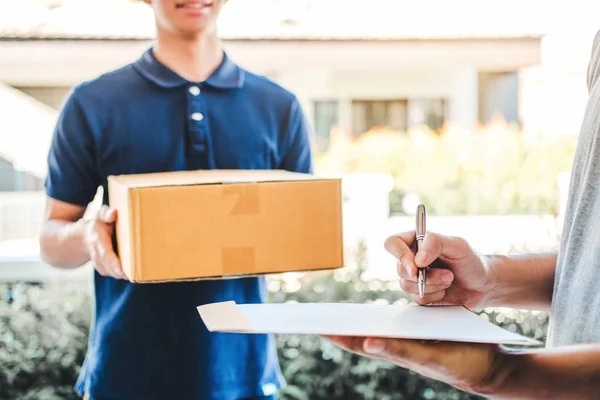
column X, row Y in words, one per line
column 459, row 275
column 69, row 239
column 97, row 236
column 477, row 368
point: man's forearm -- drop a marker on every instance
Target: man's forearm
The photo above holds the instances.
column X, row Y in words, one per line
column 62, row 244
column 571, row 372
column 524, row 281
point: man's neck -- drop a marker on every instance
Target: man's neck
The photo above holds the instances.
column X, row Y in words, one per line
column 195, row 59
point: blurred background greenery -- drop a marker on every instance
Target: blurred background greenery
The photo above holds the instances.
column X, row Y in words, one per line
column 495, row 169
column 45, row 329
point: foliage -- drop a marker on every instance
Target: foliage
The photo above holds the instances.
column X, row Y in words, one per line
column 314, row 369
column 495, row 169
column 43, row 338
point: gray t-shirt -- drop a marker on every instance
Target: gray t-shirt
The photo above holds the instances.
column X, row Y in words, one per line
column 575, row 314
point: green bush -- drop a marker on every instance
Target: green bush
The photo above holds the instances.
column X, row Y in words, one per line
column 495, row 169
column 43, row 338
column 315, row 369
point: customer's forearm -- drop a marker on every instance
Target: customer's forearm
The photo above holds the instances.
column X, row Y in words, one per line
column 62, row 244
column 571, row 372
column 524, row 281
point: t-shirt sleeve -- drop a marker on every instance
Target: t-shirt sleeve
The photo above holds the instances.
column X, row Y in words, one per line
column 296, row 148
column 72, row 173
column 593, row 68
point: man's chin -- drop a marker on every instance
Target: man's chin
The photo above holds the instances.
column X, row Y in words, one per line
column 197, row 29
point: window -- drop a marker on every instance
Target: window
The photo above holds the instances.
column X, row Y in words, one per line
column 12, row 179
column 499, row 95
column 362, row 115
column 398, row 115
column 326, row 116
column 429, row 112
column 367, row 114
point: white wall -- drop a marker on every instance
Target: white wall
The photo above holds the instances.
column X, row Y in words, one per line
column 312, row 69
column 458, row 86
column 554, row 94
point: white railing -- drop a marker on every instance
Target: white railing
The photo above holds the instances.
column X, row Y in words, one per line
column 21, row 214
column 21, row 218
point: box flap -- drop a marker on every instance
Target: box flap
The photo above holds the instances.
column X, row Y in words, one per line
column 450, row 323
column 200, row 177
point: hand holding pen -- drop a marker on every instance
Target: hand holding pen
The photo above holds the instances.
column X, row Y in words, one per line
column 438, row 269
column 421, row 231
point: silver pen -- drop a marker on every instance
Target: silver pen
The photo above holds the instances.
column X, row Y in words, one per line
column 420, row 236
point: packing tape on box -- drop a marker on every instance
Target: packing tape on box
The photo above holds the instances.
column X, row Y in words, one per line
column 237, row 260
column 248, row 199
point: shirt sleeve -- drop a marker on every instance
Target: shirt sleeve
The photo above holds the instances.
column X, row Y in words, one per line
column 72, row 173
column 296, row 148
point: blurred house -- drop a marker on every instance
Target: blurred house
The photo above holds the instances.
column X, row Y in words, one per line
column 392, row 63
column 25, row 124
column 352, row 64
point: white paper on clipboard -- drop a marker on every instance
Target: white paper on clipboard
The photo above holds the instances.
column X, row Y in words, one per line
column 368, row 320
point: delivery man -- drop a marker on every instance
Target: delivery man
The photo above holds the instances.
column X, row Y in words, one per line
column 565, row 283
column 183, row 105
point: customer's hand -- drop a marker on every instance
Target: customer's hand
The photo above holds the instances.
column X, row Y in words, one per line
column 478, row 368
column 98, row 234
column 459, row 275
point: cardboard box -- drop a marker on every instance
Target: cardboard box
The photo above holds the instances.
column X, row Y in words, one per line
column 221, row 223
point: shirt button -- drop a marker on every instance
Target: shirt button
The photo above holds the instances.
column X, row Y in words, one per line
column 194, row 90
column 197, row 116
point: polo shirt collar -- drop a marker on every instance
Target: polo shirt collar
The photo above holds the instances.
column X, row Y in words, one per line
column 227, row 76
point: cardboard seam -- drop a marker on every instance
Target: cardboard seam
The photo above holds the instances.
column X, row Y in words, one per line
column 247, row 198
column 234, row 258
column 340, row 201
column 241, row 275
column 140, row 186
column 134, row 210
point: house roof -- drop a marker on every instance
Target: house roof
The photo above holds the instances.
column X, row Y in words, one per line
column 280, row 20
column 25, row 131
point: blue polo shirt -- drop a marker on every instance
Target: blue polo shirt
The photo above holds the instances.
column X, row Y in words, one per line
column 147, row 340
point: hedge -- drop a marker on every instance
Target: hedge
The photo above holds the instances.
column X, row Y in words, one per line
column 43, row 338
